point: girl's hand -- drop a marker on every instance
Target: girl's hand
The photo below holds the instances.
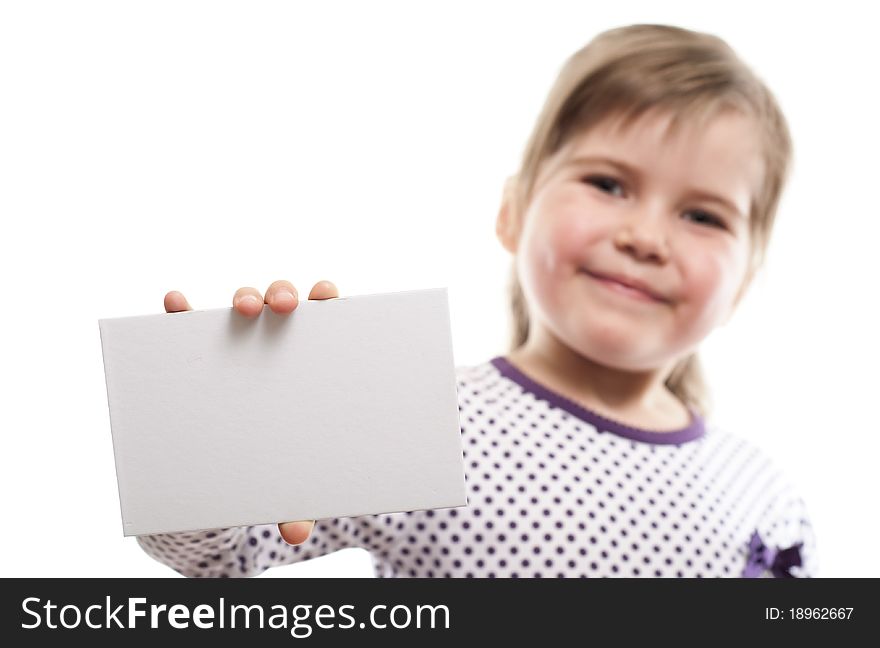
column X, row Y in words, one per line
column 283, row 299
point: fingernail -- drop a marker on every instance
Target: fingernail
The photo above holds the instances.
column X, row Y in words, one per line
column 248, row 299
column 283, row 297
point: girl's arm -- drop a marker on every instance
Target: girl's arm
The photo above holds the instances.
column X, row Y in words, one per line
column 786, row 527
column 249, row 551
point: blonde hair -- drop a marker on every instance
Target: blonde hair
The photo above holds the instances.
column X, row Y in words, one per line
column 624, row 72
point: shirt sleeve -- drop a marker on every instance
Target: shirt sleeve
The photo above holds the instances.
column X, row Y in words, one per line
column 788, row 526
column 251, row 550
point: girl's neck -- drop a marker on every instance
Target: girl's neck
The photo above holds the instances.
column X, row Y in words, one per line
column 636, row 398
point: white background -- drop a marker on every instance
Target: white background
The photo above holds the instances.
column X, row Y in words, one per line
column 204, row 146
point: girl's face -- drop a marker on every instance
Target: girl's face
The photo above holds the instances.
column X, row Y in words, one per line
column 668, row 216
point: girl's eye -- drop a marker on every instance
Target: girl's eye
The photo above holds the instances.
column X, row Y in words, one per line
column 707, row 219
column 610, row 185
column 604, row 183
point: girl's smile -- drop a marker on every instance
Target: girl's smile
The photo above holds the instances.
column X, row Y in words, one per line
column 631, row 288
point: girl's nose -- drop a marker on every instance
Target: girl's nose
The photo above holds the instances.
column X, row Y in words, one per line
column 643, row 235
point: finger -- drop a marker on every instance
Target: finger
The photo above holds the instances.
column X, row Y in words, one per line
column 248, row 301
column 175, row 302
column 295, row 533
column 324, row 290
column 282, row 297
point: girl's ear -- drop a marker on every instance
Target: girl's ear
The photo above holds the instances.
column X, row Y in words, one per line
column 507, row 223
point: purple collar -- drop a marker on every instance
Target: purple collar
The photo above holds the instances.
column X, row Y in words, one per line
column 694, row 430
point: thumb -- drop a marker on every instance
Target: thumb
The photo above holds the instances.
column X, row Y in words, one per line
column 295, row 533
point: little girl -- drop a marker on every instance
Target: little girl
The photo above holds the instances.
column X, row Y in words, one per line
column 639, row 215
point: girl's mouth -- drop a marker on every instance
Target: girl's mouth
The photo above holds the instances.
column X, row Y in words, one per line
column 622, row 289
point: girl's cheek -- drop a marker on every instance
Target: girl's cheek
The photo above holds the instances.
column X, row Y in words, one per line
column 539, row 264
column 557, row 242
column 544, row 263
column 710, row 283
column 542, row 251
column 571, row 240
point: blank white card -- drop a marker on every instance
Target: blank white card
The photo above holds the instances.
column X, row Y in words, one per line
column 345, row 407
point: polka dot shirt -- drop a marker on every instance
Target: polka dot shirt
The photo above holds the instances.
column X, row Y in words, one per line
column 555, row 490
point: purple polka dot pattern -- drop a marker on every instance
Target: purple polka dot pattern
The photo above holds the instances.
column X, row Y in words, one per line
column 554, row 490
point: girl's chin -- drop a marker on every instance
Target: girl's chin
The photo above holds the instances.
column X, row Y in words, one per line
column 622, row 362
column 618, row 348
